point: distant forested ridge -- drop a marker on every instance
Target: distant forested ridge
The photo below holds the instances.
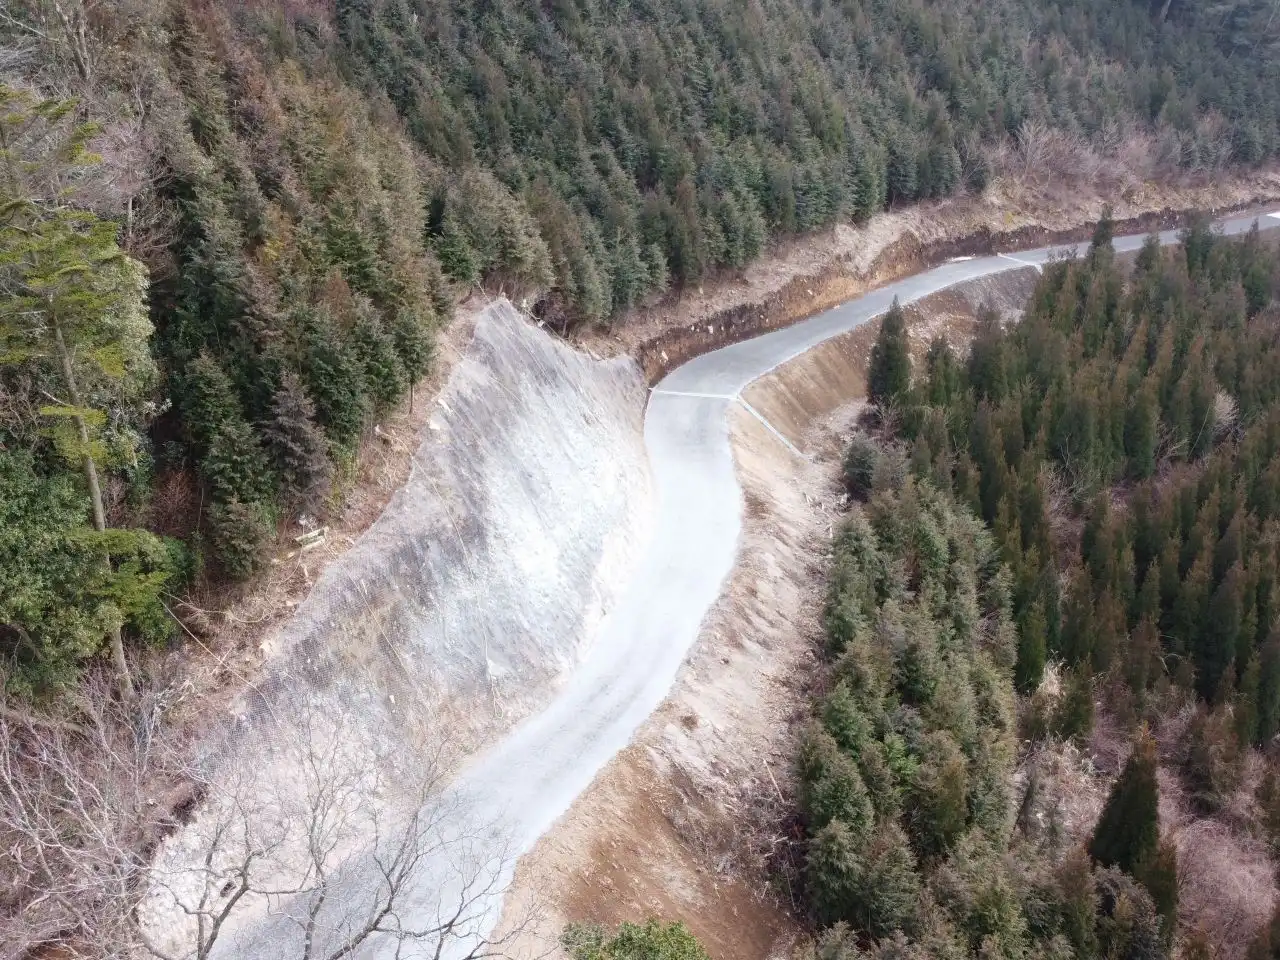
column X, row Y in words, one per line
column 659, row 139
column 261, row 213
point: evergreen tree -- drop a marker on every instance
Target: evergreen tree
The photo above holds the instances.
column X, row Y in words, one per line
column 1073, row 717
column 1032, row 649
column 335, row 380
column 71, row 301
column 832, row 786
column 889, row 370
column 1141, row 435
column 1128, row 832
column 412, row 331
column 384, row 373
column 1269, row 690
column 235, row 466
column 238, row 532
column 208, row 400
column 298, row 447
column 902, row 170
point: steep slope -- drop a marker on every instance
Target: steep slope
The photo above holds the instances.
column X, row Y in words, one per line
column 309, row 188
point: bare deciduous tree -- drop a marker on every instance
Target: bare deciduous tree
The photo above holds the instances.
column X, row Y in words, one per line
column 313, row 837
column 320, row 843
column 83, row 800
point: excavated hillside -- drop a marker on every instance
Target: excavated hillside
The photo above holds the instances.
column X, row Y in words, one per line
column 462, row 608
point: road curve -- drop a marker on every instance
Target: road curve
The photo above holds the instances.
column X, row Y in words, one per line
column 530, row 778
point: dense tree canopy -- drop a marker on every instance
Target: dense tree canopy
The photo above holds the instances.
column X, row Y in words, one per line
column 1161, row 382
column 915, row 847
column 300, row 192
column 1121, row 444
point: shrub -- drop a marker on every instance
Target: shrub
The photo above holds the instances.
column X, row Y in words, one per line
column 651, row 940
column 860, row 463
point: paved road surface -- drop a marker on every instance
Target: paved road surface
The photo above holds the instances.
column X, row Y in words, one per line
column 531, row 777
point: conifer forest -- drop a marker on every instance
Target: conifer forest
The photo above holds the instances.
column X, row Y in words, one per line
column 290, row 198
column 234, row 236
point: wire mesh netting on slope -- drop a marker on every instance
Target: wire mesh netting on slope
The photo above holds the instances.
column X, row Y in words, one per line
column 481, row 581
column 454, row 616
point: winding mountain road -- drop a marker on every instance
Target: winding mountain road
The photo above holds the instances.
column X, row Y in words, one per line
column 532, row 776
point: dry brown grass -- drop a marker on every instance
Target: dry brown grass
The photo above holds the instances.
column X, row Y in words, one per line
column 1226, row 875
column 1226, row 878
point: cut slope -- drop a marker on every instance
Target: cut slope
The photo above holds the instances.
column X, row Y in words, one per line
column 478, row 588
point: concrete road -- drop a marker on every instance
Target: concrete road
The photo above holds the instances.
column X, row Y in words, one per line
column 531, row 777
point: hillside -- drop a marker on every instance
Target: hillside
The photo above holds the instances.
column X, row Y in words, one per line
column 1119, row 444
column 302, row 191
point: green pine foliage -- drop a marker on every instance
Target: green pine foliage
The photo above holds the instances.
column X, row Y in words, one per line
column 905, row 773
column 64, row 585
column 604, row 147
column 298, row 447
column 1143, row 403
column 889, row 370
column 75, row 372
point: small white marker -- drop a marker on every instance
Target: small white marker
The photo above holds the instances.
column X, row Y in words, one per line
column 1276, row 215
column 1025, row 263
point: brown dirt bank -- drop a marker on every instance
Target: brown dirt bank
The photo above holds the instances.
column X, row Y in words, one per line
column 692, row 821
column 805, row 276
column 804, row 392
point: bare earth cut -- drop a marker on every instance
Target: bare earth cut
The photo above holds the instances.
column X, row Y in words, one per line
column 690, row 820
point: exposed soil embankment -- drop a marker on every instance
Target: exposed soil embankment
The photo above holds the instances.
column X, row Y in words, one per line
column 820, row 271
column 487, row 571
column 476, row 591
column 691, row 822
column 804, row 392
column 684, row 823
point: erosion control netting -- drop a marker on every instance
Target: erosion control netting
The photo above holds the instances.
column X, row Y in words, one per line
column 451, row 618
